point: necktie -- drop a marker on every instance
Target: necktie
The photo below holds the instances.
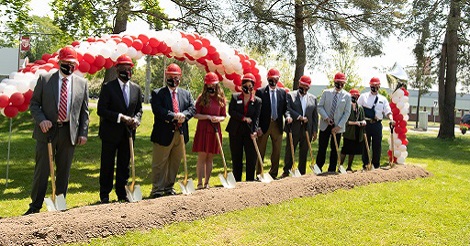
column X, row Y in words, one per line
column 333, row 106
column 273, row 105
column 124, row 94
column 63, row 100
column 175, row 103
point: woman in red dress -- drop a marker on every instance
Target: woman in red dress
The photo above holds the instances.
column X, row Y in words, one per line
column 210, row 111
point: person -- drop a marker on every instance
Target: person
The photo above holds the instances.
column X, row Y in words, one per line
column 354, row 133
column 334, row 108
column 210, row 111
column 59, row 107
column 273, row 109
column 172, row 107
column 375, row 107
column 120, row 111
column 244, row 110
column 301, row 116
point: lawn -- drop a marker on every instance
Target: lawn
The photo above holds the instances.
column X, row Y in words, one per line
column 430, row 211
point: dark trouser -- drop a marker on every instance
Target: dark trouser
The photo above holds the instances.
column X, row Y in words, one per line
column 301, row 140
column 276, row 141
column 108, row 154
column 374, row 131
column 62, row 150
column 323, row 139
column 239, row 142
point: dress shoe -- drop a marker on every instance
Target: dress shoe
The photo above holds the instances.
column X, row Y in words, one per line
column 121, row 200
column 284, row 175
column 104, row 200
column 170, row 192
column 156, row 195
column 31, row 211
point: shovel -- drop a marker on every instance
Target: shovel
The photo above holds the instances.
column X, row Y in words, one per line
column 392, row 163
column 227, row 179
column 340, row 167
column 187, row 185
column 263, row 177
column 133, row 192
column 294, row 172
column 55, row 203
column 369, row 166
column 314, row 167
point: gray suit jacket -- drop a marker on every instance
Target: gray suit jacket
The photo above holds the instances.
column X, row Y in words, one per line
column 45, row 101
column 294, row 110
column 343, row 108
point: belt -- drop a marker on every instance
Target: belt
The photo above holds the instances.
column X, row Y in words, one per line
column 62, row 123
column 372, row 120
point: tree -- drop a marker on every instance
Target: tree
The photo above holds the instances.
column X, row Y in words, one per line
column 345, row 60
column 292, row 26
column 15, row 17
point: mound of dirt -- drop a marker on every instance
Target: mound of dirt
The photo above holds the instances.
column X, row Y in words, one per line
column 82, row 224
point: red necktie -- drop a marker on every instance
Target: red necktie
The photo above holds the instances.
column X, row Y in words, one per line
column 63, row 100
column 175, row 103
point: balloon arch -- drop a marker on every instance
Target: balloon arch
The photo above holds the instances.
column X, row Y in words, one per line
column 94, row 54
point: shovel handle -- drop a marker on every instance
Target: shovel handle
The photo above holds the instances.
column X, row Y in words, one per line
column 369, row 165
column 183, row 144
column 392, row 157
column 51, row 167
column 337, row 149
column 131, row 150
column 292, row 151
column 219, row 142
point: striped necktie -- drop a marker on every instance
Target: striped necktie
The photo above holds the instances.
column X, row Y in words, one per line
column 333, row 106
column 63, row 101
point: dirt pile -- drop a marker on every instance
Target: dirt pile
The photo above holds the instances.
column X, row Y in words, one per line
column 82, row 224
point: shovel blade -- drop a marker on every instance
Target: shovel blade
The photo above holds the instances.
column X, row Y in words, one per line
column 60, row 203
column 133, row 196
column 316, row 170
column 265, row 178
column 295, row 173
column 228, row 182
column 50, row 204
column 342, row 170
column 188, row 188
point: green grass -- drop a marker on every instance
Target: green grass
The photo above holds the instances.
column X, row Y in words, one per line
column 430, row 211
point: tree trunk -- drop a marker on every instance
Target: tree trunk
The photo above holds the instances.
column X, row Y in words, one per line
column 447, row 84
column 301, row 60
column 120, row 25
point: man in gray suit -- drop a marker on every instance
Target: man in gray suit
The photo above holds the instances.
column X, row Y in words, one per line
column 301, row 116
column 59, row 106
column 334, row 109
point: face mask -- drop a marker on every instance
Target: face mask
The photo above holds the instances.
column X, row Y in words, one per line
column 353, row 99
column 338, row 85
column 211, row 90
column 271, row 82
column 125, row 75
column 172, row 82
column 373, row 89
column 246, row 89
column 67, row 69
column 302, row 90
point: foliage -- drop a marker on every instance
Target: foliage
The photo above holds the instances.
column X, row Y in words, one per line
column 15, row 17
column 344, row 60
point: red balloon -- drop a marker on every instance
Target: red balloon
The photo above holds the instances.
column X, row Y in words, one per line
column 75, row 43
column 99, row 61
column 154, row 42
column 137, row 44
column 147, row 49
column 27, row 96
column 84, row 67
column 40, row 62
column 392, row 105
column 4, row 101
column 143, row 38
column 205, row 42
column 154, row 51
column 389, row 153
column 395, row 111
column 211, row 50
column 90, row 40
column 89, row 58
column 108, row 63
column 202, row 61
column 197, row 44
column 11, row 111
column 405, row 91
column 16, row 99
column 53, row 61
column 23, row 107
column 398, row 130
column 93, row 69
column 162, row 47
column 404, row 141
column 399, row 117
column 46, row 57
column 403, row 124
column 189, row 57
column 127, row 40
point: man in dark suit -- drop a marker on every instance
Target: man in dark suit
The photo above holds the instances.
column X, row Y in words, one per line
column 172, row 107
column 273, row 108
column 120, row 111
column 301, row 116
column 59, row 106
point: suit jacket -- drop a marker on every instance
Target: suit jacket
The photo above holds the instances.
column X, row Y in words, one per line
column 162, row 108
column 265, row 115
column 342, row 112
column 45, row 101
column 111, row 103
column 236, row 111
column 294, row 110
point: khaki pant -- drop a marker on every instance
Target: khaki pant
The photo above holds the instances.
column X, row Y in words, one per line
column 276, row 142
column 165, row 163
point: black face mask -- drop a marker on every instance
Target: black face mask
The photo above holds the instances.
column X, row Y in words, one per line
column 353, row 99
column 172, row 82
column 125, row 75
column 246, row 89
column 338, row 85
column 67, row 69
column 272, row 82
column 211, row 90
column 302, row 90
column 373, row 89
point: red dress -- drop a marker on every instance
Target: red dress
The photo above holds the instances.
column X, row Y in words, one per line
column 205, row 139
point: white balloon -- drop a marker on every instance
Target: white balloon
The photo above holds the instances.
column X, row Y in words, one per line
column 202, row 52
column 138, row 55
column 400, row 104
column 397, row 153
column 13, row 75
column 41, row 71
column 404, row 154
column 407, row 105
column 399, row 93
column 401, row 160
column 9, row 90
column 405, row 99
column 404, row 111
column 32, row 84
column 93, row 50
column 132, row 52
column 402, row 148
column 115, row 55
column 395, row 99
column 406, row 117
column 2, row 87
column 22, row 86
column 106, row 52
column 121, row 48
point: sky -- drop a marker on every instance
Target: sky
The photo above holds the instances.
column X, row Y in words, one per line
column 395, row 50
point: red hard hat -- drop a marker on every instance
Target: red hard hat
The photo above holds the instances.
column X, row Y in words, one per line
column 354, row 92
column 305, row 80
column 273, row 73
column 124, row 60
column 211, row 78
column 374, row 81
column 248, row 77
column 340, row 77
column 173, row 69
column 68, row 54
